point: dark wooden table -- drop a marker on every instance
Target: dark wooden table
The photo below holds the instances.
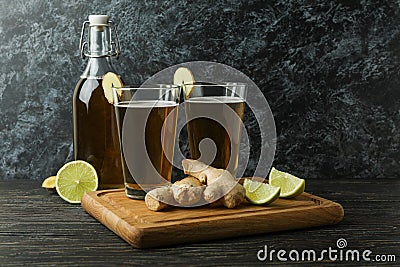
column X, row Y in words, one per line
column 39, row 228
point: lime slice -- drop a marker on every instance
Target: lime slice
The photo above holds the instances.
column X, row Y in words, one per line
column 184, row 77
column 110, row 80
column 260, row 193
column 50, row 183
column 291, row 186
column 74, row 179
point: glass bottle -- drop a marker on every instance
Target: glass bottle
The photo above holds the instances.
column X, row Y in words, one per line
column 95, row 128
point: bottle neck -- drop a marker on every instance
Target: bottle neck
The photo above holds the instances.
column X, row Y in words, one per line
column 97, row 67
column 100, row 52
column 100, row 41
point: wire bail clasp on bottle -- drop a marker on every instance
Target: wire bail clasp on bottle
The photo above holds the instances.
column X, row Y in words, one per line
column 115, row 48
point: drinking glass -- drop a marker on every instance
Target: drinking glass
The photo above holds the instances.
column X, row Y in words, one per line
column 214, row 115
column 146, row 119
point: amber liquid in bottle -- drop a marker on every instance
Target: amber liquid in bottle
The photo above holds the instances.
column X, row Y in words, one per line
column 96, row 133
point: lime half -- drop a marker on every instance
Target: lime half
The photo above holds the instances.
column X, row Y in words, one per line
column 291, row 186
column 74, row 179
column 260, row 193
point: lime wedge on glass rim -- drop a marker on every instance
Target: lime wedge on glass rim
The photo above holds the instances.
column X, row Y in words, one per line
column 260, row 193
column 74, row 179
column 291, row 186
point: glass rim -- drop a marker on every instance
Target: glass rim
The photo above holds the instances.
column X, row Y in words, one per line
column 149, row 87
column 160, row 86
column 224, row 84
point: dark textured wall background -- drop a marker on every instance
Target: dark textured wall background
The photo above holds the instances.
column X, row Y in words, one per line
column 330, row 72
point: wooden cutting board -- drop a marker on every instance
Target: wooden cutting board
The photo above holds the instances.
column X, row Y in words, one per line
column 142, row 228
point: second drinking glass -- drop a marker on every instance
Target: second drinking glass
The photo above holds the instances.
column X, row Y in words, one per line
column 214, row 116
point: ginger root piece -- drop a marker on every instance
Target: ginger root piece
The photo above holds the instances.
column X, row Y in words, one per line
column 222, row 188
column 158, row 198
column 234, row 197
column 201, row 171
column 189, row 181
column 220, row 183
column 187, row 191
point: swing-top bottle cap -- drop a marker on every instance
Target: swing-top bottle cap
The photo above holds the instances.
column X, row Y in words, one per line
column 98, row 20
column 96, row 44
